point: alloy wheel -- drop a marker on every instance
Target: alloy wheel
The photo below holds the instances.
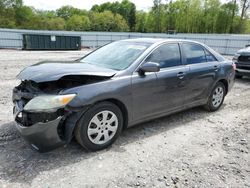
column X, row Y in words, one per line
column 102, row 127
column 217, row 96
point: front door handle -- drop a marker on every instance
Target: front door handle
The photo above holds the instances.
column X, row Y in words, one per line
column 181, row 75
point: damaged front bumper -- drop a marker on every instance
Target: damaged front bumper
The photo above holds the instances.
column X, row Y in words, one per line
column 48, row 129
column 42, row 131
column 42, row 136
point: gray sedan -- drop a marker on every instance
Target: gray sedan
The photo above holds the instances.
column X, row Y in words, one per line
column 117, row 86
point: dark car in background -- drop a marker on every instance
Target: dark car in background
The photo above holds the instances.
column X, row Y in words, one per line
column 117, row 86
column 242, row 62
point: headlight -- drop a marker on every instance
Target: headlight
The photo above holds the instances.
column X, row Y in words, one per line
column 48, row 102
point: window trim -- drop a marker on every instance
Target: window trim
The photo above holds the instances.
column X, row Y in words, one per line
column 155, row 48
column 206, row 50
column 197, row 44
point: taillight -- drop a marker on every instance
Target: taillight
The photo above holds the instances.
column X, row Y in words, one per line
column 234, row 66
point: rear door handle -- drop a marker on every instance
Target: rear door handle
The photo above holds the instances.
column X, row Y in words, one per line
column 216, row 67
column 181, row 75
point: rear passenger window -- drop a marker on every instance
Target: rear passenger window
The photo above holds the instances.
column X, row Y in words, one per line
column 210, row 56
column 167, row 55
column 194, row 53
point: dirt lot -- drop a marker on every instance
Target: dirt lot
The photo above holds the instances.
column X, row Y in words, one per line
column 189, row 149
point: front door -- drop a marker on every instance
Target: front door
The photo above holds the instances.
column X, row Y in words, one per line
column 143, row 95
column 163, row 91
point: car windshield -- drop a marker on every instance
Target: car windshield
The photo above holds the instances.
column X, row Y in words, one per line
column 117, row 55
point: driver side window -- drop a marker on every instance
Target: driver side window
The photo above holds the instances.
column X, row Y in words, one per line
column 167, row 55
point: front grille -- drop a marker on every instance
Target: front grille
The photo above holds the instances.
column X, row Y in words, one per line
column 29, row 119
column 244, row 58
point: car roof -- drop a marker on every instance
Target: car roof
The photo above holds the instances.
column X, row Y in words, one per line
column 153, row 42
column 157, row 40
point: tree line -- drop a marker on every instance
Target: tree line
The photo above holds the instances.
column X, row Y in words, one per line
column 182, row 16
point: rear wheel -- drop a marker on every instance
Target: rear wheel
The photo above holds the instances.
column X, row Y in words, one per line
column 100, row 126
column 216, row 97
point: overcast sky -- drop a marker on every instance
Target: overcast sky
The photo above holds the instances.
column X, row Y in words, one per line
column 81, row 4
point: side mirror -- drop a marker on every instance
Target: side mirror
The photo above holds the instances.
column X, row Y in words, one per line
column 248, row 45
column 149, row 67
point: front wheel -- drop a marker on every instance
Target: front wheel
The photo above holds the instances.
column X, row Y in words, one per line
column 100, row 126
column 216, row 97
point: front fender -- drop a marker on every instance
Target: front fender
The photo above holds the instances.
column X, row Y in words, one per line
column 118, row 89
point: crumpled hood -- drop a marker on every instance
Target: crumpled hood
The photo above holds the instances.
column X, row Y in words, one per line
column 54, row 70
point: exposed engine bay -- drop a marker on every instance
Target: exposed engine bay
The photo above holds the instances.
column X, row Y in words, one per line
column 54, row 87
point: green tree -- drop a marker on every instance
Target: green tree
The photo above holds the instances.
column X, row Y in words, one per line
column 126, row 9
column 11, row 3
column 185, row 16
column 157, row 12
column 141, row 20
column 245, row 4
column 56, row 24
column 46, row 13
column 209, row 16
column 7, row 18
column 156, row 18
column 78, row 23
column 37, row 22
column 66, row 12
column 247, row 27
column 107, row 21
column 7, row 14
column 23, row 15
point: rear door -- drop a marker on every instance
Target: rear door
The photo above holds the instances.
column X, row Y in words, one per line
column 203, row 68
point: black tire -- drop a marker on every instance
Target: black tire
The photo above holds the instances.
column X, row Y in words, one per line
column 238, row 76
column 210, row 106
column 81, row 130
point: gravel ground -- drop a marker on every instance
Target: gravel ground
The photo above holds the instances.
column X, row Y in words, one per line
column 193, row 148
